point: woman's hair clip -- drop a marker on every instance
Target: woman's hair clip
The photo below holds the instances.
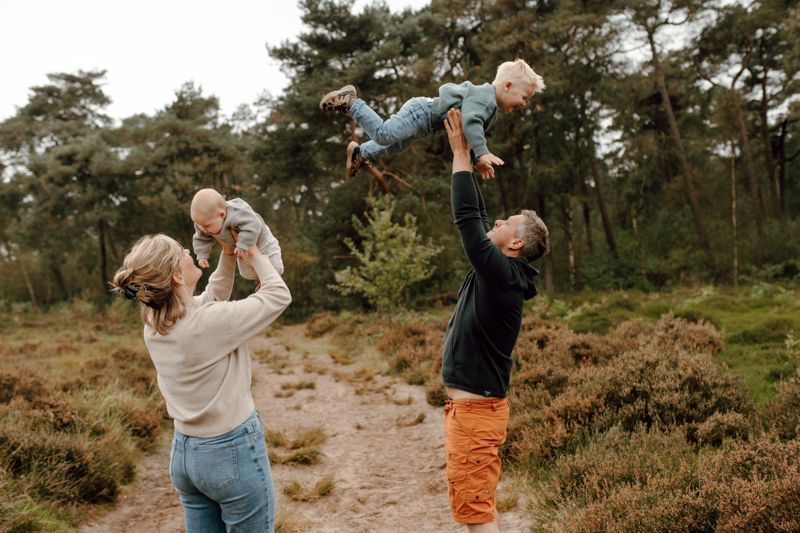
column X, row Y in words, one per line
column 130, row 291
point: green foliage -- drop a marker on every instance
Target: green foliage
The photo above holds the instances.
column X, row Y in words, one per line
column 391, row 256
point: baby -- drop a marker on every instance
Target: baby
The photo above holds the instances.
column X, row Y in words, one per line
column 214, row 218
column 514, row 84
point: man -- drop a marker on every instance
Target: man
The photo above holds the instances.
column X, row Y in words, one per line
column 476, row 361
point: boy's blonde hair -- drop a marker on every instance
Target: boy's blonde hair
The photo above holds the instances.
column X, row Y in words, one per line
column 519, row 72
column 146, row 275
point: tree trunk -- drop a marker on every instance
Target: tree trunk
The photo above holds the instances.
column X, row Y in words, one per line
column 782, row 165
column 635, row 224
column 601, row 206
column 769, row 161
column 27, row 278
column 587, row 216
column 566, row 211
column 752, row 179
column 549, row 264
column 733, row 219
column 55, row 270
column 688, row 185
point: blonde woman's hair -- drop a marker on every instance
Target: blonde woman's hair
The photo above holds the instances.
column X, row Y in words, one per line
column 146, row 275
column 519, row 72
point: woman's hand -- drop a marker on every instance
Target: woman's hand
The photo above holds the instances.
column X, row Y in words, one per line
column 231, row 250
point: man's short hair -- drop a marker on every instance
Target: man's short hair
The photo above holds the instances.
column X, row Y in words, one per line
column 520, row 72
column 535, row 234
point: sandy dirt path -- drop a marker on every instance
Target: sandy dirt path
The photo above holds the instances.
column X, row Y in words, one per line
column 384, row 450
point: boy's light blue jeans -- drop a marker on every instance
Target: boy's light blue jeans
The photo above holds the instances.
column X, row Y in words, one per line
column 224, row 482
column 414, row 120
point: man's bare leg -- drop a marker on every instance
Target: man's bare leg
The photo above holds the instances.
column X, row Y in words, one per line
column 488, row 527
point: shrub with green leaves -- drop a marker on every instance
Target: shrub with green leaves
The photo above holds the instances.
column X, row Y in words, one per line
column 391, row 256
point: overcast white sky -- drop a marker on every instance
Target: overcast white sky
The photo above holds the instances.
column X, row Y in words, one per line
column 149, row 48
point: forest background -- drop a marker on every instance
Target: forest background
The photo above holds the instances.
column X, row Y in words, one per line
column 662, row 152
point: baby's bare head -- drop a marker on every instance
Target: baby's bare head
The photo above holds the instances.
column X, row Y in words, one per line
column 207, row 202
column 208, row 209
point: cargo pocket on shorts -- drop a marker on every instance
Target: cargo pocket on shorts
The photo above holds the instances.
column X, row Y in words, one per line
column 477, row 486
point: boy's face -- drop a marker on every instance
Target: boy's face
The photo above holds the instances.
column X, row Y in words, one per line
column 210, row 223
column 513, row 96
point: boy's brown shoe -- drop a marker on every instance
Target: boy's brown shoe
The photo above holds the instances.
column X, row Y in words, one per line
column 339, row 100
column 354, row 159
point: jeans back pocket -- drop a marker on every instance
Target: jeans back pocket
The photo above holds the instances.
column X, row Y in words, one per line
column 216, row 465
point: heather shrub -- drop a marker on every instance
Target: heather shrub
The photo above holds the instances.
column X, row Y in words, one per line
column 692, row 336
column 782, row 414
column 66, row 465
column 648, row 386
column 670, row 331
column 413, row 349
column 632, row 333
column 619, row 458
column 654, row 507
column 719, row 427
column 754, row 485
column 320, row 324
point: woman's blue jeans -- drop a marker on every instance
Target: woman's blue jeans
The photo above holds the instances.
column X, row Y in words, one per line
column 224, row 482
column 413, row 120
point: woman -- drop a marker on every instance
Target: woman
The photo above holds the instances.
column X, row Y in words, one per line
column 218, row 461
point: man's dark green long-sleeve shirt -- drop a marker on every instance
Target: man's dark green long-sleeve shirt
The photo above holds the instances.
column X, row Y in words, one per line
column 485, row 324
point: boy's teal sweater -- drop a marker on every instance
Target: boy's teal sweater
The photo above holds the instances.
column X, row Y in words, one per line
column 478, row 105
column 485, row 324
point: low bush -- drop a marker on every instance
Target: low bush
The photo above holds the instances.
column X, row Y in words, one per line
column 782, row 414
column 320, row 324
column 655, row 384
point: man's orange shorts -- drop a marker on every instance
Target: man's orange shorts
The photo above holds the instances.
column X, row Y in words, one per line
column 474, row 431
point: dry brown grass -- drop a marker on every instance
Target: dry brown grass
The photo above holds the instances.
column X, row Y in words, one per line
column 78, row 405
column 298, row 492
column 404, row 421
column 320, row 324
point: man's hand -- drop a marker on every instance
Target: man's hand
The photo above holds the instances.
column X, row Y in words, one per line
column 458, row 143
column 202, row 263
column 486, row 170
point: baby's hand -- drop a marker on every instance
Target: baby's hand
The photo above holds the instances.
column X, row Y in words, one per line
column 202, row 263
column 491, row 159
column 239, row 252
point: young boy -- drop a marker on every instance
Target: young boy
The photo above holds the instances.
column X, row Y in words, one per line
column 214, row 218
column 514, row 84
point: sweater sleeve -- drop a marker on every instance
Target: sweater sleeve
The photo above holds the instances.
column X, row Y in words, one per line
column 201, row 242
column 474, row 115
column 247, row 318
column 220, row 284
column 470, row 216
column 248, row 225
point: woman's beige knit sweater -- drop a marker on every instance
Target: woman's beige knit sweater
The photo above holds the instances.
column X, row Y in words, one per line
column 203, row 363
